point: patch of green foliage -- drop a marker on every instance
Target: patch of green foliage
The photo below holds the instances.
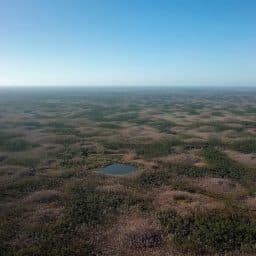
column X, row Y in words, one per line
column 251, row 109
column 125, row 117
column 222, row 165
column 17, row 144
column 29, row 184
column 147, row 150
column 32, row 124
column 4, row 137
column 162, row 125
column 96, row 114
column 246, row 146
column 212, row 142
column 217, row 113
column 27, row 161
column 153, row 178
column 50, row 238
column 213, row 231
column 67, row 140
column 157, row 148
column 91, row 207
column 193, row 108
column 118, row 145
column 13, row 142
column 189, row 170
column 217, row 126
column 62, row 127
column 109, row 125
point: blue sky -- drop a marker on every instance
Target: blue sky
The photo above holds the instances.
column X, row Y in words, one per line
column 128, row 42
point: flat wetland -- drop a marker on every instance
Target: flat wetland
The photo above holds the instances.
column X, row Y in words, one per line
column 188, row 159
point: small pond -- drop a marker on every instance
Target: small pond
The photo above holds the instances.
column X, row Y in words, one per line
column 118, row 169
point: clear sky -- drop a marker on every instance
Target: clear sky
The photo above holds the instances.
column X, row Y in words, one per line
column 128, row 42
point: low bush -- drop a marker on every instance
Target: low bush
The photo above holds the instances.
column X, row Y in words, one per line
column 12, row 142
column 246, row 146
column 153, row 178
column 29, row 184
column 213, row 231
column 222, row 165
column 17, row 144
column 157, row 148
column 162, row 125
column 189, row 170
column 91, row 207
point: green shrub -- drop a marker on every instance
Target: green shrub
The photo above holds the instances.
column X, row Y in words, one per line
column 4, row 137
column 162, row 125
column 109, row 125
column 222, row 165
column 13, row 142
column 32, row 124
column 246, row 146
column 17, row 144
column 29, row 184
column 24, row 161
column 91, row 207
column 157, row 148
column 217, row 231
column 62, row 127
column 153, row 178
column 189, row 170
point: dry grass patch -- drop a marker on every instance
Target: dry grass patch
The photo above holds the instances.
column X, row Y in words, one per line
column 111, row 188
column 216, row 185
column 140, row 132
column 140, row 232
column 245, row 159
column 45, row 214
column 43, row 196
column 250, row 202
column 183, row 202
column 191, row 157
column 132, row 234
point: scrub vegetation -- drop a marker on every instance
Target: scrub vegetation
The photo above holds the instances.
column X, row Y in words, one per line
column 192, row 191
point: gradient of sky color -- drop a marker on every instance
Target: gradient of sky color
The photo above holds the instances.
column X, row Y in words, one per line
column 128, row 42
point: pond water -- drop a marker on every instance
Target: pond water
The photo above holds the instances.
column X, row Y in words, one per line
column 118, row 169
